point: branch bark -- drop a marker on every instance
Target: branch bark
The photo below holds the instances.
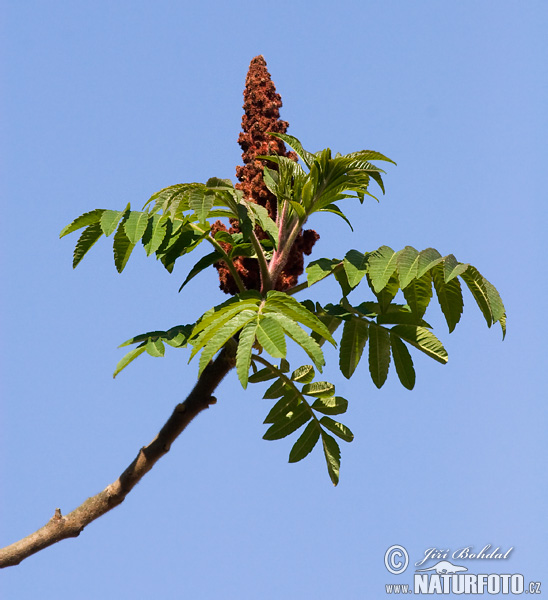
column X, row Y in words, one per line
column 61, row 527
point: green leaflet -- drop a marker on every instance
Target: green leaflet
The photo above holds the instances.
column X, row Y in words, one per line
column 334, row 209
column 89, row 236
column 266, row 223
column 84, row 220
column 418, row 294
column 154, row 233
column 306, row 157
column 486, row 296
column 335, row 405
column 452, row 268
column 423, row 339
column 201, row 202
column 338, row 429
column 354, row 338
column 203, row 263
column 355, row 266
column 277, row 389
column 198, row 341
column 304, row 374
column 298, row 335
column 239, row 302
column 222, row 336
column 427, row 259
column 407, row 263
column 129, row 357
column 183, row 242
column 271, row 337
column 319, row 389
column 122, row 247
column 289, row 423
column 281, row 302
column 306, row 442
column 398, row 314
column 286, row 404
column 382, row 264
column 135, row 225
column 388, row 292
column 176, row 336
column 243, row 354
column 111, row 218
column 319, row 269
column 402, row 362
column 332, row 454
column 262, row 375
column 379, row 353
column 449, row 296
column 155, row 348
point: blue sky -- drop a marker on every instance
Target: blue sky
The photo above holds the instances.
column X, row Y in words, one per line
column 104, row 104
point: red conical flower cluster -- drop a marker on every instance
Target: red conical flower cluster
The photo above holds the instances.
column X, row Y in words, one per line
column 262, row 115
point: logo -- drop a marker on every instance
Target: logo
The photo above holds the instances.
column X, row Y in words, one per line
column 444, row 567
column 446, row 577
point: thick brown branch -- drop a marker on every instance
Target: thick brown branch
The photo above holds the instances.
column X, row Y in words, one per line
column 62, row 527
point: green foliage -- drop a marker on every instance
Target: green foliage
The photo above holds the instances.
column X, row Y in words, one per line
column 259, row 323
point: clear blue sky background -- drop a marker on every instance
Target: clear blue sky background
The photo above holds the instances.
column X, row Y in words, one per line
column 104, row 103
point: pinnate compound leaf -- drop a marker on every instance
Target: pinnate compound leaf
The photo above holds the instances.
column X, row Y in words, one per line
column 89, row 236
column 353, row 340
column 289, row 423
column 319, row 389
column 129, row 357
column 84, row 220
column 243, row 354
column 402, row 362
column 306, row 442
column 382, row 264
column 122, row 248
column 335, row 405
column 379, row 353
column 332, row 454
column 271, row 337
column 135, row 225
column 304, row 374
column 449, row 296
column 338, row 429
column 423, row 339
column 286, row 404
column 355, row 266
